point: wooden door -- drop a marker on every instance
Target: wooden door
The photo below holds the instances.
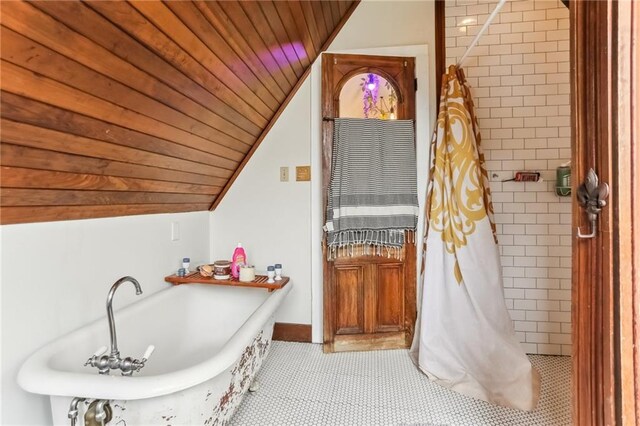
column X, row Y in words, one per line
column 605, row 283
column 369, row 301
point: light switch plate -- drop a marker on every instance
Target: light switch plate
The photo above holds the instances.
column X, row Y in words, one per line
column 303, row 173
column 175, row 231
column 284, row 174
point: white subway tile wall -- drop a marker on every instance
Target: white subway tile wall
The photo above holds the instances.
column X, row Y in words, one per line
column 519, row 75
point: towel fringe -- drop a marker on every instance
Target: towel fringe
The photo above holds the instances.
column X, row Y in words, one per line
column 388, row 243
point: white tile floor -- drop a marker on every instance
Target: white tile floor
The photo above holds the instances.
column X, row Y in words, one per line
column 299, row 385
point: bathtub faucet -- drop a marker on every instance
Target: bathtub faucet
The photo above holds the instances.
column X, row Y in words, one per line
column 105, row 363
column 115, row 354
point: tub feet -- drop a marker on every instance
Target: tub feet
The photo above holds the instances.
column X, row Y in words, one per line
column 254, row 386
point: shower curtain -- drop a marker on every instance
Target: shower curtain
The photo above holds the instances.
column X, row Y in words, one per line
column 464, row 337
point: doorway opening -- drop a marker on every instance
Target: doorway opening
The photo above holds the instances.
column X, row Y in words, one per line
column 592, row 44
column 369, row 298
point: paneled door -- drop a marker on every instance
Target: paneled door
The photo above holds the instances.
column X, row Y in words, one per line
column 369, row 301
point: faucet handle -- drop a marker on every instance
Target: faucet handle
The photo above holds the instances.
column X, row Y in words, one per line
column 100, row 351
column 128, row 365
column 93, row 359
column 148, row 352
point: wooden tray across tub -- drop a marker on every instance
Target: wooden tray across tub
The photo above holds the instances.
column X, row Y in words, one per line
column 259, row 282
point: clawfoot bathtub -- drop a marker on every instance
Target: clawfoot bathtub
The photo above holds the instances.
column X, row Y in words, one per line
column 210, row 342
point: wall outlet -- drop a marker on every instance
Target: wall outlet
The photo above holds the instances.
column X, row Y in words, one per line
column 284, row 174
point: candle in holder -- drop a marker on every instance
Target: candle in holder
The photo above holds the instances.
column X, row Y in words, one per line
column 271, row 273
column 278, row 269
column 247, row 273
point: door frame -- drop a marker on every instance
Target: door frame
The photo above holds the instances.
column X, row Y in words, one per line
column 330, row 92
column 591, row 285
column 627, row 212
column 605, row 269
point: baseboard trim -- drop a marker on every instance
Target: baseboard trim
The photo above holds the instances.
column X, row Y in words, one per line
column 370, row 342
column 288, row 332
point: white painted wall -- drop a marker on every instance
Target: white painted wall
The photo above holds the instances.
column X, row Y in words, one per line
column 388, row 23
column 281, row 222
column 271, row 218
column 55, row 277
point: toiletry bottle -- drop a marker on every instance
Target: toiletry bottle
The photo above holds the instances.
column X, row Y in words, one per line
column 239, row 258
column 271, row 273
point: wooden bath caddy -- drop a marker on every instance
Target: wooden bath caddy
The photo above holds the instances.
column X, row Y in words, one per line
column 259, row 282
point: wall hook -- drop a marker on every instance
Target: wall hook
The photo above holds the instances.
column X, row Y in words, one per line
column 591, row 196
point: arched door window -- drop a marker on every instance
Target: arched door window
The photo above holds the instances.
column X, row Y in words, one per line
column 368, row 95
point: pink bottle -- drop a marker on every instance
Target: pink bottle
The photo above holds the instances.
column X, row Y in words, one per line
column 239, row 258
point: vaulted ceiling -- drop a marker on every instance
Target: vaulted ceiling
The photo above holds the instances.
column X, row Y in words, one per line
column 119, row 108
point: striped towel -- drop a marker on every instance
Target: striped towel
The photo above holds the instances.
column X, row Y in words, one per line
column 372, row 196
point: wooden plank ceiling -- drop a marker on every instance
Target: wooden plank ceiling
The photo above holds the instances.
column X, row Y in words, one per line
column 120, row 108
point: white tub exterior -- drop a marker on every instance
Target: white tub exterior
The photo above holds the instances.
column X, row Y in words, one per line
column 210, row 342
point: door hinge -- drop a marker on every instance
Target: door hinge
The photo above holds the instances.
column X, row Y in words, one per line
column 415, row 84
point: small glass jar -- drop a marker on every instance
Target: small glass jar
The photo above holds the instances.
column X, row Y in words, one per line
column 278, row 269
column 271, row 272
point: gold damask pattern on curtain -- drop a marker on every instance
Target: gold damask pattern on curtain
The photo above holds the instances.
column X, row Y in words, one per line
column 459, row 194
column 466, row 341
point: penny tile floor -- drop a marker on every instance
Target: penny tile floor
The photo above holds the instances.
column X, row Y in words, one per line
column 300, row 385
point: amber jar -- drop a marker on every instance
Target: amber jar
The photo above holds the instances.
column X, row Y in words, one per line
column 221, row 270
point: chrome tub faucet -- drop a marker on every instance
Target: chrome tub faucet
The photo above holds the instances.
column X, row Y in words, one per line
column 105, row 363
